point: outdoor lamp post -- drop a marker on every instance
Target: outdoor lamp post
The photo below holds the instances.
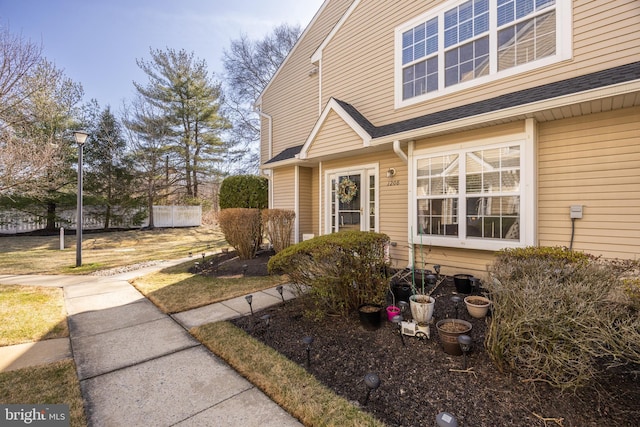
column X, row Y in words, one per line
column 81, row 137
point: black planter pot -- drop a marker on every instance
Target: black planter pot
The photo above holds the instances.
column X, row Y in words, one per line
column 370, row 316
column 401, row 292
column 463, row 283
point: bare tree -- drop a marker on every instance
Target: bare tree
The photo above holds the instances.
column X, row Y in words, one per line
column 22, row 158
column 249, row 66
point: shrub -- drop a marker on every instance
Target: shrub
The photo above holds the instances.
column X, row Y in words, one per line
column 339, row 271
column 244, row 191
column 278, row 224
column 241, row 229
column 559, row 316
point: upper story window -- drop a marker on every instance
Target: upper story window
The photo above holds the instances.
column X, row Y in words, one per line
column 461, row 44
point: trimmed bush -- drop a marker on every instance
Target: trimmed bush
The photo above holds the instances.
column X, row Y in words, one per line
column 244, row 191
column 560, row 316
column 339, row 271
column 241, row 229
column 278, row 224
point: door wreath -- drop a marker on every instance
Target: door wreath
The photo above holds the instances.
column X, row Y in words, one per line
column 347, row 190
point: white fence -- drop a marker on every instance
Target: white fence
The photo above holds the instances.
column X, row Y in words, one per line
column 176, row 216
column 13, row 221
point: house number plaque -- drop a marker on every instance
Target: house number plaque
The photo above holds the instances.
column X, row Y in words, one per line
column 393, row 183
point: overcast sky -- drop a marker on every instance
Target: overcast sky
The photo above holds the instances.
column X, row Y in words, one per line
column 97, row 42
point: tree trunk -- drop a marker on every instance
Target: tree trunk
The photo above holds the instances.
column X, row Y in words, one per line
column 150, row 208
column 51, row 216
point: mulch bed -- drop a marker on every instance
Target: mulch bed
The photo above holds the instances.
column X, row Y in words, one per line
column 418, row 380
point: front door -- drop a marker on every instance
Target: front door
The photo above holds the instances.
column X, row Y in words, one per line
column 352, row 199
column 348, row 201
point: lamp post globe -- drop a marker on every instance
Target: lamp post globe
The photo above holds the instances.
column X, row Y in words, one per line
column 80, row 137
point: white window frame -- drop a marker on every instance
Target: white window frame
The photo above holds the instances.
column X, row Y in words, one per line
column 527, row 194
column 564, row 37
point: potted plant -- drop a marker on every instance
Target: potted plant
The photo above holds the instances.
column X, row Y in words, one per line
column 477, row 305
column 463, row 283
column 370, row 316
column 421, row 302
column 448, row 331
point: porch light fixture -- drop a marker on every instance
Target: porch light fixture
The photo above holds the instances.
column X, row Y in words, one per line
column 308, row 340
column 249, row 299
column 372, row 381
column 465, row 345
column 391, row 173
column 80, row 137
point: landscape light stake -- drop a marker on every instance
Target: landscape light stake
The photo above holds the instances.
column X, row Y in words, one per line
column 445, row 419
column 244, row 269
column 436, row 268
column 266, row 318
column 372, row 381
column 456, row 300
column 308, row 341
column 397, row 319
column 249, row 299
column 203, row 254
column 465, row 345
column 280, row 290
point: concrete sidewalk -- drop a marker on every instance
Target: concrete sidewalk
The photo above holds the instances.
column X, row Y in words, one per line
column 139, row 367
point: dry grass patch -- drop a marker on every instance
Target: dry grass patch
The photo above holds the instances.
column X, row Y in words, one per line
column 175, row 290
column 287, row 383
column 103, row 250
column 29, row 313
column 55, row 383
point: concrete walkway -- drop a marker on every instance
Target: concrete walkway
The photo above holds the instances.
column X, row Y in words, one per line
column 140, row 367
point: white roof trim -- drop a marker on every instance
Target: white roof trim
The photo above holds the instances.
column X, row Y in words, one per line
column 317, row 55
column 333, row 105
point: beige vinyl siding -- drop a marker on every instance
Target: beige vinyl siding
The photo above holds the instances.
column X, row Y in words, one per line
column 282, row 188
column 358, row 66
column 334, row 136
column 392, row 203
column 305, row 202
column 455, row 261
column 292, row 97
column 591, row 161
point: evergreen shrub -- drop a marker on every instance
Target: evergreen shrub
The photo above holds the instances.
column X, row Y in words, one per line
column 244, row 191
column 338, row 271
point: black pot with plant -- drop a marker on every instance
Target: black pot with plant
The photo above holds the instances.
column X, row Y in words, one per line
column 370, row 316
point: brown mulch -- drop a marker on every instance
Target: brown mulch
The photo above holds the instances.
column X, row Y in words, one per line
column 418, row 379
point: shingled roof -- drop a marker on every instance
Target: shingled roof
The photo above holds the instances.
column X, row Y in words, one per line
column 574, row 85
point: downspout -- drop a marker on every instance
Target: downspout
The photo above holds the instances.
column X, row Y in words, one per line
column 270, row 134
column 267, row 172
column 410, row 199
column 399, row 152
